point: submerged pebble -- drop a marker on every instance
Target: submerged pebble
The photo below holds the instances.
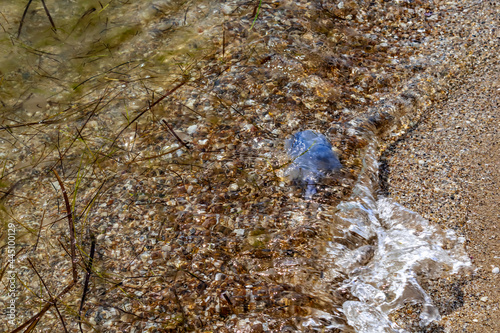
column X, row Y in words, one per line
column 312, row 159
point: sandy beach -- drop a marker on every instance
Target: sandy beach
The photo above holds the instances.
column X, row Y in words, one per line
column 447, row 170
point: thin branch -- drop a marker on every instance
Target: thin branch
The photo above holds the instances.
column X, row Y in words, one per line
column 93, row 198
column 22, row 19
column 41, row 122
column 256, row 11
column 48, row 15
column 155, row 156
column 176, row 136
column 71, row 226
column 39, row 231
column 88, row 268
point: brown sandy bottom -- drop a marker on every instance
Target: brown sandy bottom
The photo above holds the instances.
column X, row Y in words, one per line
column 447, row 170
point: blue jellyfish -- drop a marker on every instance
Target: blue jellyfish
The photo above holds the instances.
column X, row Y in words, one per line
column 312, row 158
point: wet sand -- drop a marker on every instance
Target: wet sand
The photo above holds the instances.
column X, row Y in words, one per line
column 447, row 170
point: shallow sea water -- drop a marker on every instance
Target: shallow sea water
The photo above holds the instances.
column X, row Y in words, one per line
column 167, row 122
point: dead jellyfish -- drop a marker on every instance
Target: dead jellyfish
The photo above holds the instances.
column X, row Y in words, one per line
column 312, row 159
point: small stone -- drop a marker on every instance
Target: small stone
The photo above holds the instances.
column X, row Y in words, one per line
column 192, row 129
column 495, row 270
column 248, row 127
column 145, row 256
column 227, row 9
column 233, row 187
column 484, row 298
column 239, row 232
column 126, row 318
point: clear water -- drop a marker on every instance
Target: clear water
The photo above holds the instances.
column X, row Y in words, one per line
column 206, row 219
